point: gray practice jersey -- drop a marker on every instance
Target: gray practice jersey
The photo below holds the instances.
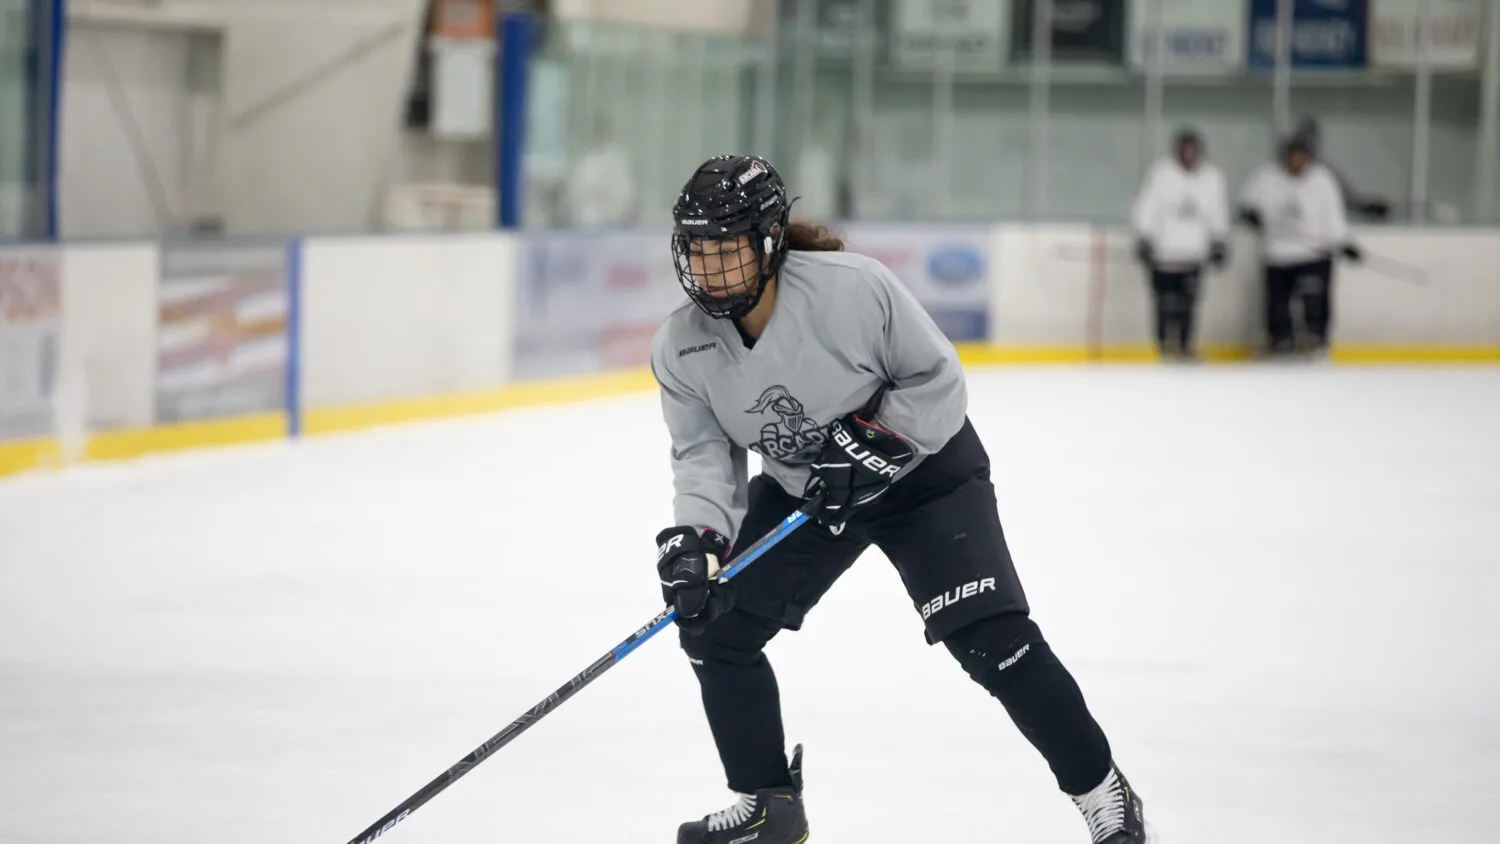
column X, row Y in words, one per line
column 842, row 325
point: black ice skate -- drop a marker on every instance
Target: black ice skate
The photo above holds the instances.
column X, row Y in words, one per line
column 769, row 816
column 1113, row 812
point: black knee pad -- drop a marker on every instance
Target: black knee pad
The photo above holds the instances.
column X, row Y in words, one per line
column 735, row 638
column 996, row 649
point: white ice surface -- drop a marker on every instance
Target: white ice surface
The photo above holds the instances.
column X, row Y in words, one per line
column 1279, row 589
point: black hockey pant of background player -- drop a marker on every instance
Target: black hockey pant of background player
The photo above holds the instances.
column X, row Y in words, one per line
column 1175, row 293
column 1309, row 283
column 939, row 526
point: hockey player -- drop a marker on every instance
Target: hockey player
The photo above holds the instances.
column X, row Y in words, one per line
column 1356, row 201
column 1296, row 208
column 825, row 366
column 1181, row 220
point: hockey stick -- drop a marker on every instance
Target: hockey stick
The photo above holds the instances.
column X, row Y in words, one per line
column 1112, row 257
column 1086, row 255
column 583, row 678
column 1393, row 269
column 1379, row 264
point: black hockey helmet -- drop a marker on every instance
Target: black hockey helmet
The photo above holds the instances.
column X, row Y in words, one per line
column 1185, row 138
column 1295, row 143
column 727, row 198
column 1186, row 135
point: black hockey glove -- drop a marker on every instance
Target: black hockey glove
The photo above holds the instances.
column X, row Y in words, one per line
column 1251, row 218
column 1352, row 252
column 1143, row 253
column 856, row 466
column 1375, row 209
column 1218, row 254
column 689, row 566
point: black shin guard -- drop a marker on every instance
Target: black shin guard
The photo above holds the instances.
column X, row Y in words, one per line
column 1007, row 655
column 742, row 701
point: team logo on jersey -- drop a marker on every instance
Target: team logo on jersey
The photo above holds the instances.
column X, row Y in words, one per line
column 792, row 435
column 1287, row 221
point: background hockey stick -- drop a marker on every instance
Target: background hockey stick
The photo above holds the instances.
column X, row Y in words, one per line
column 583, row 678
column 1393, row 269
column 1378, row 264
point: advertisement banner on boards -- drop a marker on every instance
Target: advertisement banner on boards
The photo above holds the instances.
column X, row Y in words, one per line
column 947, row 268
column 1083, row 31
column 1326, row 34
column 973, row 31
column 590, row 300
column 1457, row 28
column 30, row 330
column 221, row 344
column 1194, row 37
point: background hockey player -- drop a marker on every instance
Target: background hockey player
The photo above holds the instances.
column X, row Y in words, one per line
column 1356, row 201
column 1181, row 220
column 1296, row 208
column 823, row 364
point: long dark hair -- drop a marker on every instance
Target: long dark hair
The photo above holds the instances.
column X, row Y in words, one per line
column 808, row 236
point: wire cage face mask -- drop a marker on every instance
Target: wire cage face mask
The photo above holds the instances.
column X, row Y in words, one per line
column 729, row 226
column 724, row 275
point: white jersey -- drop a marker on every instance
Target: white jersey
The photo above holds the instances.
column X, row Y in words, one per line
column 1303, row 215
column 1181, row 212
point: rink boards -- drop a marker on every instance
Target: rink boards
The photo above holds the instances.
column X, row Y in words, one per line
column 120, row 349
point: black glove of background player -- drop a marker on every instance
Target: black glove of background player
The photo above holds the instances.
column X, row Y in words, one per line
column 1218, row 254
column 689, row 564
column 1145, row 254
column 1375, row 209
column 856, row 466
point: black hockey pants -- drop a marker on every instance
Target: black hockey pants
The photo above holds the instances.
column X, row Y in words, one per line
column 939, row 526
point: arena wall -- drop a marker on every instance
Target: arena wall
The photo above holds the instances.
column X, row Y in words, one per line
column 133, row 348
column 1075, row 293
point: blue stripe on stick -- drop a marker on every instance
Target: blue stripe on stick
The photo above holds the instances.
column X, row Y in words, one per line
column 788, row 525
